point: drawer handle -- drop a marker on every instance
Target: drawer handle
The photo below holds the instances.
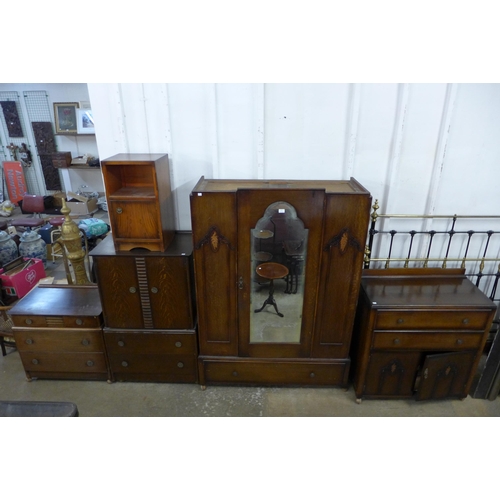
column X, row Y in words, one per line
column 399, row 321
column 85, row 342
column 121, row 343
column 29, row 321
column 178, row 344
column 132, row 289
column 312, row 374
column 396, row 341
column 90, row 363
column 35, row 361
column 79, row 321
column 124, row 363
column 119, row 210
column 180, row 364
column 460, row 341
column 465, row 321
column 154, row 290
column 29, row 341
column 235, row 374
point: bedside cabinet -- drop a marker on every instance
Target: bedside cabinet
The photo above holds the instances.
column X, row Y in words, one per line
column 140, row 202
column 58, row 333
column 419, row 333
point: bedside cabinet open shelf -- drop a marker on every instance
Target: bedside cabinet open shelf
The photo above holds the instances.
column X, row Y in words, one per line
column 140, row 202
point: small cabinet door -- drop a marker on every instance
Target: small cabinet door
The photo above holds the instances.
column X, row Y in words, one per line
column 445, row 375
column 135, row 219
column 391, row 374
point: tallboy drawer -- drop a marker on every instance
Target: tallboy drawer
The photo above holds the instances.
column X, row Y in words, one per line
column 154, row 367
column 426, row 340
column 428, row 319
column 141, row 342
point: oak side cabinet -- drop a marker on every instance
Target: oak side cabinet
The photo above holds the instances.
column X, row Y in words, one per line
column 419, row 333
column 149, row 311
column 277, row 269
column 58, row 333
column 140, row 203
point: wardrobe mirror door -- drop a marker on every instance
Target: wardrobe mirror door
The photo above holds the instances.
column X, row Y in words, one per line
column 277, row 269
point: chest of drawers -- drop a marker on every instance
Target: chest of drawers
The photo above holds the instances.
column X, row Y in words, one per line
column 58, row 333
column 418, row 334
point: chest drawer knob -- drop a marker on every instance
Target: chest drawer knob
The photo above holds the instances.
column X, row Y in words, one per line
column 79, row 321
column 124, row 363
column 235, row 374
column 121, row 343
column 119, row 210
column 29, row 321
column 312, row 374
column 465, row 321
column 396, row 341
column 178, row 344
column 35, row 361
column 85, row 342
column 29, row 341
column 399, row 321
column 460, row 341
column 154, row 290
column 90, row 363
column 132, row 289
column 180, row 364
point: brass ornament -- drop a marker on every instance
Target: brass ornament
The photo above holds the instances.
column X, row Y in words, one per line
column 72, row 246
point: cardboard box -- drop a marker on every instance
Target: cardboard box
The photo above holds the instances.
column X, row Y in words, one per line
column 19, row 276
column 80, row 205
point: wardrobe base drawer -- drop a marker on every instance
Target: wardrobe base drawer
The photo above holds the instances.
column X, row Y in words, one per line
column 291, row 372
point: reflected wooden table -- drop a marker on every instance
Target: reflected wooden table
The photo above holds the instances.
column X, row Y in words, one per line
column 271, row 271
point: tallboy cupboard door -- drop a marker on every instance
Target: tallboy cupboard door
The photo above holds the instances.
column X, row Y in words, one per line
column 214, row 221
column 145, row 289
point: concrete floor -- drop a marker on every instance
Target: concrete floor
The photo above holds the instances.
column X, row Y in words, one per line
column 128, row 399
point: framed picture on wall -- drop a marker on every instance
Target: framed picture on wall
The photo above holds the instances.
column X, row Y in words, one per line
column 85, row 123
column 65, row 117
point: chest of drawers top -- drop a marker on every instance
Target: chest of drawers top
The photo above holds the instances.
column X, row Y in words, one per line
column 61, row 301
column 434, row 289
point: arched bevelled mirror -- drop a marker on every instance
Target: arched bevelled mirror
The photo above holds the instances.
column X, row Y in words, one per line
column 278, row 257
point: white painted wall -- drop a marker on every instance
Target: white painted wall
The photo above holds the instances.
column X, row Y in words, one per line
column 418, row 148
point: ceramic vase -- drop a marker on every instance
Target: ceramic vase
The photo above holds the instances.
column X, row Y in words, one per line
column 33, row 246
column 8, row 248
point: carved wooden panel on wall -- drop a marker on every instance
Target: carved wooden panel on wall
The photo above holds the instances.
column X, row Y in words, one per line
column 12, row 119
column 44, row 137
